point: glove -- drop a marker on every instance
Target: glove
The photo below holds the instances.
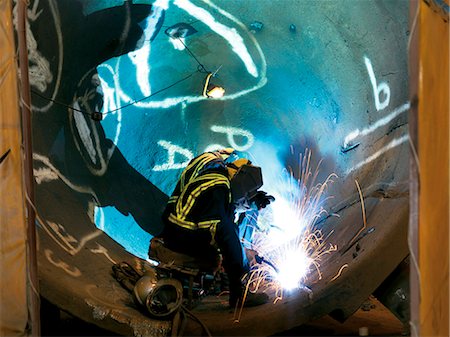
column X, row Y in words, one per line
column 251, row 255
column 262, row 199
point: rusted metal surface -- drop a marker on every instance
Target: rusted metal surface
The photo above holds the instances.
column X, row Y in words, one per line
column 350, row 107
column 394, row 293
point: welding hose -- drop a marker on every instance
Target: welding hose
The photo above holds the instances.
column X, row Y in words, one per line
column 198, row 320
column 261, row 260
column 180, row 320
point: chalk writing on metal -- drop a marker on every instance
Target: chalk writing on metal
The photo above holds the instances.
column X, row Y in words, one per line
column 71, row 270
column 172, row 150
column 39, row 69
column 378, row 89
column 379, row 123
column 42, row 175
column 102, row 250
column 392, row 144
column 233, row 133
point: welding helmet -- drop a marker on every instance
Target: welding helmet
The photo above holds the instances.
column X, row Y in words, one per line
column 227, row 154
column 245, row 180
column 230, row 155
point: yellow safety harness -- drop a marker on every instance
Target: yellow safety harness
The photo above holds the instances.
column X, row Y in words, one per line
column 191, row 185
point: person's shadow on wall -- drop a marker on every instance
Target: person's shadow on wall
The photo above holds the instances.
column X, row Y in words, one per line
column 75, row 143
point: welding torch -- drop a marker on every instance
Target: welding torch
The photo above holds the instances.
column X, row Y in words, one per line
column 261, row 260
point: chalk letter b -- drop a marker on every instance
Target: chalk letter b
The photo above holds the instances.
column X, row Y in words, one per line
column 378, row 89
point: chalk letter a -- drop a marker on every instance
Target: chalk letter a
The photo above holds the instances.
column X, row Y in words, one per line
column 172, row 150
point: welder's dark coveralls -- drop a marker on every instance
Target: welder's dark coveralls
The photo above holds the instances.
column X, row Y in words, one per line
column 199, row 217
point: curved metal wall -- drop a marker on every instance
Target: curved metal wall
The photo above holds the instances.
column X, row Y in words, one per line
column 328, row 76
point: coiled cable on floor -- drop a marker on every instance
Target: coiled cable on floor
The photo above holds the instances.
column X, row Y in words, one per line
column 180, row 320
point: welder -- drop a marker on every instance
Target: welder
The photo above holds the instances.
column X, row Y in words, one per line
column 200, row 215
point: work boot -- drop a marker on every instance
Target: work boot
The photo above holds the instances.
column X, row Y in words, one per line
column 251, row 300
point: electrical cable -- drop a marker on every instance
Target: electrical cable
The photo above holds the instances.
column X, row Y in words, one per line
column 413, row 27
column 153, row 94
column 191, row 23
column 176, row 324
column 32, row 285
column 183, row 323
column 412, row 246
column 189, row 313
column 114, row 110
column 201, row 67
column 59, row 103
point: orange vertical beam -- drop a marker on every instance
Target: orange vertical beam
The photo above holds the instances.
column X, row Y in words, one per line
column 433, row 148
column 17, row 296
column 24, row 87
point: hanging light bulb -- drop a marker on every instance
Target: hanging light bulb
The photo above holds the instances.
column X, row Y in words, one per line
column 210, row 90
column 216, row 92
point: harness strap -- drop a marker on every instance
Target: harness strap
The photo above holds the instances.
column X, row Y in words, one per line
column 208, row 224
